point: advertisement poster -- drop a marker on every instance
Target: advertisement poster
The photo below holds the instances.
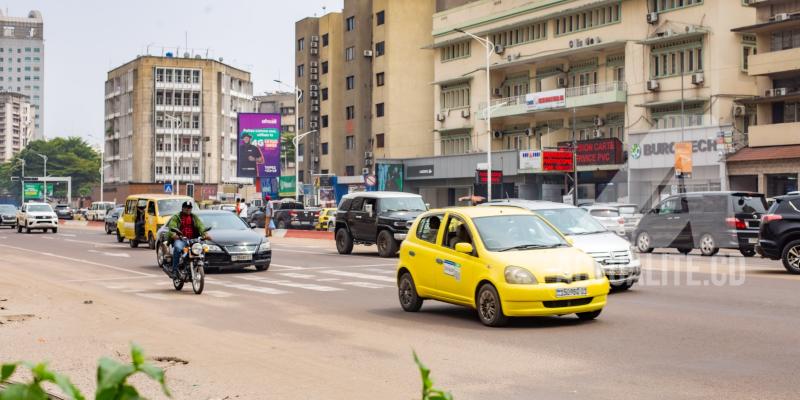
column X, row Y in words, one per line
column 390, row 177
column 259, row 151
column 326, row 196
column 683, row 159
column 546, row 100
column 269, row 187
column 286, row 186
column 33, row 190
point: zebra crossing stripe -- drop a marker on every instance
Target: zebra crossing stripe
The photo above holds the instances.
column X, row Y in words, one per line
column 249, row 288
column 296, row 275
column 368, row 285
column 280, row 282
column 359, row 275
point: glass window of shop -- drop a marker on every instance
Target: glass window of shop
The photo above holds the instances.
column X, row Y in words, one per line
column 780, row 184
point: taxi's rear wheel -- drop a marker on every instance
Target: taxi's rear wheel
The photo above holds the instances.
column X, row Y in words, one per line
column 490, row 310
column 119, row 237
column 588, row 316
column 151, row 241
column 407, row 293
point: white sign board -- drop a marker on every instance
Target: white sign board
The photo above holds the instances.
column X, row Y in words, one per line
column 546, row 100
column 530, row 160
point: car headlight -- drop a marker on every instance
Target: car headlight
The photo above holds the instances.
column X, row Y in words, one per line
column 598, row 270
column 399, row 224
column 197, row 249
column 519, row 276
column 265, row 246
column 214, row 248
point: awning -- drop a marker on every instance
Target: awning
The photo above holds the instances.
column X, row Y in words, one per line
column 451, row 81
column 792, row 22
column 565, row 52
column 452, row 130
column 766, row 153
column 693, row 100
column 771, row 99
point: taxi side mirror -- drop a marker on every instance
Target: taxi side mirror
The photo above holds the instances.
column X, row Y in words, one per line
column 464, row 247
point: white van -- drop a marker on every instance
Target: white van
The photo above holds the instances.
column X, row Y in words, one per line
column 97, row 212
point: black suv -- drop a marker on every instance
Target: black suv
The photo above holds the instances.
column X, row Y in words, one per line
column 779, row 236
column 380, row 218
column 705, row 220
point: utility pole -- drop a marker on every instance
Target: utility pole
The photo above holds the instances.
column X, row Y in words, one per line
column 44, row 157
column 574, row 160
column 22, row 182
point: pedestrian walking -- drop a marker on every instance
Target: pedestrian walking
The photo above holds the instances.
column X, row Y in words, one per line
column 268, row 224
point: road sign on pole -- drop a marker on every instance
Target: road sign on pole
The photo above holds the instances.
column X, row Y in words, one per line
column 167, row 187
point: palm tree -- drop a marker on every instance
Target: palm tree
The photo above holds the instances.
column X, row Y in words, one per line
column 287, row 149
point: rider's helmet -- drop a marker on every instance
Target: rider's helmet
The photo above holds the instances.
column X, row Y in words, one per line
column 186, row 204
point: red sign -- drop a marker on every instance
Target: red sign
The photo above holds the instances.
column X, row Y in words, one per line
column 598, row 151
column 480, row 176
column 557, row 161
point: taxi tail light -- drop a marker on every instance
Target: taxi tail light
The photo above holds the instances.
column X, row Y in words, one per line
column 736, row 223
column 770, row 217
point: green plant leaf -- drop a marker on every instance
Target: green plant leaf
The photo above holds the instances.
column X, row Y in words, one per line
column 137, row 355
column 156, row 374
column 7, row 370
column 112, row 374
column 67, row 387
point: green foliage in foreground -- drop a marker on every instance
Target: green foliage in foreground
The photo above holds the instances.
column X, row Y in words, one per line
column 428, row 391
column 112, row 379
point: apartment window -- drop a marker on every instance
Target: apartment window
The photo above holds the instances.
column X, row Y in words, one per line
column 350, row 23
column 300, row 151
column 520, row 35
column 454, row 51
column 379, row 110
column 455, row 144
column 379, row 77
column 379, row 138
column 36, row 50
column 349, row 170
column 380, row 49
column 669, row 117
column 300, row 70
column 301, row 44
column 324, row 94
column 456, row 96
column 301, row 123
column 195, row 122
column 588, row 19
column 748, row 48
column 349, row 53
column 380, row 18
column 669, row 59
column 324, row 121
column 325, row 148
column 325, row 40
column 667, row 5
column 196, row 99
column 324, row 67
column 784, row 40
column 350, row 82
column 350, row 112
column 350, row 142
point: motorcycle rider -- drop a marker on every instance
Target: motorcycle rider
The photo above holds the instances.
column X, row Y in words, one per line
column 190, row 226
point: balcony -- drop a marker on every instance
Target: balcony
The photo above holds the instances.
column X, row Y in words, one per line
column 574, row 97
column 774, row 134
column 774, row 62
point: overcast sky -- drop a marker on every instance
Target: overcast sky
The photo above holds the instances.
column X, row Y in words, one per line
column 84, row 39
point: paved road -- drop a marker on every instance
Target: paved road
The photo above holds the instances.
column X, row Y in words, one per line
column 321, row 325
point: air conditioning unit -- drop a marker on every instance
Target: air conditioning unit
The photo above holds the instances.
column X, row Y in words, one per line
column 575, row 43
column 598, row 121
column 497, row 134
column 315, row 117
column 769, row 93
column 465, row 113
column 314, row 70
column 314, row 44
column 367, row 154
column 779, row 91
column 367, row 53
column 698, row 78
column 368, row 161
column 440, row 117
column 499, row 48
column 562, row 82
column 314, row 64
column 738, row 110
column 313, row 125
column 314, row 51
column 652, row 18
column 597, row 133
column 781, row 17
column 314, row 93
column 316, row 159
column 315, row 38
column 652, row 85
column 314, row 87
column 315, row 108
column 314, row 77
column 497, row 91
column 529, row 132
column 315, row 102
column 592, row 40
column 364, row 171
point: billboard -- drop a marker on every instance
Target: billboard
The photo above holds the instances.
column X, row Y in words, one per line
column 286, row 186
column 259, row 145
column 538, row 160
column 546, row 100
column 33, row 190
column 597, row 151
column 390, row 177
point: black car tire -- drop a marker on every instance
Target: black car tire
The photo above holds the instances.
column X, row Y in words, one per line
column 134, row 243
column 407, row 293
column 281, row 224
column 748, row 252
column 490, row 310
column 708, row 245
column 791, row 257
column 108, row 230
column 344, row 241
column 27, row 230
column 387, row 246
column 590, row 315
column 151, row 241
column 644, row 243
column 55, row 230
column 120, row 239
column 19, row 228
column 263, row 267
column 684, row 250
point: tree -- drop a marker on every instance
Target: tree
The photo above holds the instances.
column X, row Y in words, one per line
column 287, row 149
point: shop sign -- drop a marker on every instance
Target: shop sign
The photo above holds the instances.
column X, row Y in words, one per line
column 419, row 171
column 530, row 160
column 480, row 176
column 683, row 158
column 598, row 151
column 662, row 148
column 538, row 160
column 546, row 100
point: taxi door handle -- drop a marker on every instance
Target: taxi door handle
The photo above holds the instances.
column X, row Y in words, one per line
column 411, row 253
column 439, row 261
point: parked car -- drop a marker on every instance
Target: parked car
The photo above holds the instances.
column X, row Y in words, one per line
column 111, row 219
column 324, row 218
column 288, row 214
column 620, row 264
column 630, row 213
column 609, row 217
column 98, row 210
column 380, row 218
column 779, row 233
column 8, row 215
column 233, row 244
column 707, row 221
column 64, row 211
column 36, row 216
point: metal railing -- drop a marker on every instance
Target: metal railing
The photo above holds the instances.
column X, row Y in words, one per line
column 604, row 87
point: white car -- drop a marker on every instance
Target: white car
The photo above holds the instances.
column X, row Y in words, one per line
column 608, row 216
column 36, row 216
column 620, row 264
column 98, row 210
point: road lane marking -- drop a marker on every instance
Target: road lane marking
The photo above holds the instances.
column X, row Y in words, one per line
column 119, row 278
column 360, row 276
column 299, row 285
column 382, row 271
column 246, row 287
column 299, row 268
column 296, row 275
column 218, row 293
column 328, row 279
column 126, row 255
column 368, row 285
column 154, row 296
column 67, row 234
column 77, row 260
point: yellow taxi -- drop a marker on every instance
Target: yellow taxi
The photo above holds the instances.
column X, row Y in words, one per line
column 502, row 261
column 324, row 217
column 151, row 211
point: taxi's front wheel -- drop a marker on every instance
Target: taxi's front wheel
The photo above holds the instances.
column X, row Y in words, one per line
column 490, row 310
column 407, row 292
column 587, row 316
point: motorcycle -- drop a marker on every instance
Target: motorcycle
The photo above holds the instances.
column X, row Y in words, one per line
column 191, row 266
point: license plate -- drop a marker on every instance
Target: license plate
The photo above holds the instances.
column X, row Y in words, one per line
column 241, row 257
column 569, row 292
column 752, row 240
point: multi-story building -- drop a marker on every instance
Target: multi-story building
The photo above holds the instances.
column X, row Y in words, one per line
column 170, row 111
column 16, row 124
column 282, row 103
column 771, row 57
column 22, row 62
column 628, row 79
column 366, row 83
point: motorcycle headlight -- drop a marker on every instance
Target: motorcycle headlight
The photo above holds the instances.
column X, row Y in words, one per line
column 197, row 249
column 265, row 246
column 598, row 270
column 519, row 276
column 214, row 248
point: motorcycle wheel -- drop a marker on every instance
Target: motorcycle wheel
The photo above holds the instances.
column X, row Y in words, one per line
column 178, row 283
column 198, row 278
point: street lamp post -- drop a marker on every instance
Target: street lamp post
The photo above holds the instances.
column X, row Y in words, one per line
column 489, row 49
column 22, row 181
column 44, row 173
column 296, row 141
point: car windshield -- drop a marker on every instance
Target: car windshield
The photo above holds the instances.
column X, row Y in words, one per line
column 172, row 206
column 223, row 221
column 516, row 232
column 7, row 209
column 62, row 206
column 117, row 211
column 627, row 210
column 604, row 213
column 402, row 204
column 572, row 221
column 749, row 204
column 39, row 208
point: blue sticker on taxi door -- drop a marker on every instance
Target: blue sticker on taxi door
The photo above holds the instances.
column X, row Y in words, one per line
column 453, row 269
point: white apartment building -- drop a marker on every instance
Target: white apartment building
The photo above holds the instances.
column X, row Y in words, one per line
column 22, row 62
column 16, row 124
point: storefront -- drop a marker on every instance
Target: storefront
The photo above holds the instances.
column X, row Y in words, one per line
column 772, row 170
column 601, row 176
